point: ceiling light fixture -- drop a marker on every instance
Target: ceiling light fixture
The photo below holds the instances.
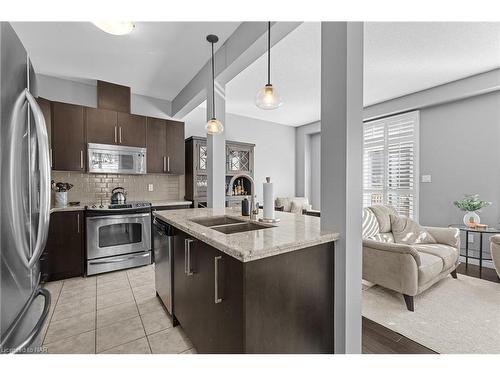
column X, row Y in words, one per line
column 115, row 27
column 213, row 125
column 268, row 97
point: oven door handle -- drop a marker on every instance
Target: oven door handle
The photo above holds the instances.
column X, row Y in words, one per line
column 116, row 260
column 126, row 216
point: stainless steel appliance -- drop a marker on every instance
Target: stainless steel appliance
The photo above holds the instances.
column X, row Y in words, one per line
column 163, row 248
column 118, row 236
column 116, row 159
column 25, row 200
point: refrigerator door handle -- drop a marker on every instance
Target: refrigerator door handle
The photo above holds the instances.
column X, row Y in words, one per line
column 38, row 326
column 44, row 168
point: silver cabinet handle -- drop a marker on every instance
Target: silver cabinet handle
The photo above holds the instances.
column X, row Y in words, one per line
column 116, row 139
column 187, row 256
column 168, row 163
column 81, row 159
column 120, row 134
column 164, row 164
column 216, row 280
column 77, row 222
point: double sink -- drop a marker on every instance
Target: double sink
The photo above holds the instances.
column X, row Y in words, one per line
column 229, row 225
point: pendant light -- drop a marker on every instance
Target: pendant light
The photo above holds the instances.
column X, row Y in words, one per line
column 268, row 97
column 213, row 125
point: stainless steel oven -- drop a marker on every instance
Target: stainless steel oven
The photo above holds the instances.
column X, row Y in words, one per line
column 118, row 237
column 116, row 159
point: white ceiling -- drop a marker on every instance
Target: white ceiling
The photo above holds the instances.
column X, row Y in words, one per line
column 156, row 59
column 159, row 58
column 399, row 58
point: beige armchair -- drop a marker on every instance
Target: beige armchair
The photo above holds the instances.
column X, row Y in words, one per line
column 407, row 269
column 495, row 252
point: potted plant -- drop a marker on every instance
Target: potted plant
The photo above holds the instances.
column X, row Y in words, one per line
column 61, row 192
column 471, row 204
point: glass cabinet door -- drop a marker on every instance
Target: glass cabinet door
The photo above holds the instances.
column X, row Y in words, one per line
column 238, row 160
column 202, row 157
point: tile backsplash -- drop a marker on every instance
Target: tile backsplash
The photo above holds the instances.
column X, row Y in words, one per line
column 88, row 188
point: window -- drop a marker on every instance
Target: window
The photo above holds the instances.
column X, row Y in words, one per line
column 390, row 163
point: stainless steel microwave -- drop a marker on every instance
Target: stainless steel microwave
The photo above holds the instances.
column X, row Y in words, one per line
column 116, row 159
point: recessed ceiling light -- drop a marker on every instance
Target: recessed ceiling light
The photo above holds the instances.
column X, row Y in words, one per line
column 115, row 27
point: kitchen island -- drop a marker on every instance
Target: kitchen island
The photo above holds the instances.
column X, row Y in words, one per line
column 240, row 286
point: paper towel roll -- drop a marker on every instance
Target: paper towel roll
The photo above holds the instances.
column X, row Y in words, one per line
column 268, row 200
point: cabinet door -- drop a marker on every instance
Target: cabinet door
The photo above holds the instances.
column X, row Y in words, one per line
column 64, row 256
column 131, row 130
column 156, row 145
column 101, row 126
column 68, row 137
column 239, row 159
column 175, row 147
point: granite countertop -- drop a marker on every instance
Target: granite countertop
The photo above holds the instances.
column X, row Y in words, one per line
column 293, row 232
column 164, row 202
column 80, row 207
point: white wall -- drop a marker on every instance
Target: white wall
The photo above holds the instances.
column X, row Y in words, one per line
column 85, row 93
column 274, row 147
column 303, row 158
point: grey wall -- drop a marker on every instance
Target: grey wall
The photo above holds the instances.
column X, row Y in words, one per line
column 459, row 148
column 303, row 158
column 85, row 93
column 274, row 151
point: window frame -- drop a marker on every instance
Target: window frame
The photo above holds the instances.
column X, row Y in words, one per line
column 415, row 117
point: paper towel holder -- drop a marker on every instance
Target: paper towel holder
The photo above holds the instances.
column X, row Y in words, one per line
column 269, row 221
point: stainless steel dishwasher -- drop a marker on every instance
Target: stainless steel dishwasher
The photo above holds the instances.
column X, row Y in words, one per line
column 163, row 247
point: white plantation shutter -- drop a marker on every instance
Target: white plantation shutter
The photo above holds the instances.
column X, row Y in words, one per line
column 390, row 163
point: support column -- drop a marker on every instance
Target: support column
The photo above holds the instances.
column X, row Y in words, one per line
column 216, row 149
column 341, row 170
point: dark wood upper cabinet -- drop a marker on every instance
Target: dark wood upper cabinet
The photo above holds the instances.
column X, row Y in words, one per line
column 112, row 96
column 156, row 145
column 68, row 137
column 131, row 130
column 165, row 144
column 101, row 126
column 64, row 253
column 175, row 147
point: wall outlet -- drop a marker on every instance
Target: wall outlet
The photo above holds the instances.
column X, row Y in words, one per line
column 426, row 178
column 471, row 238
column 150, row 187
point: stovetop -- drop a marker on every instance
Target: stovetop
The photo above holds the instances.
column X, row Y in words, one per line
column 119, row 206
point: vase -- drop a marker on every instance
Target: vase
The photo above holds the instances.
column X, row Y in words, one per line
column 61, row 198
column 471, row 219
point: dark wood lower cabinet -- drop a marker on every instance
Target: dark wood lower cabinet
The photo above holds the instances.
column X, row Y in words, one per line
column 64, row 253
column 280, row 304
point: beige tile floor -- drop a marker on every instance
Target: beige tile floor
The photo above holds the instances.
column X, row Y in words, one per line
column 117, row 313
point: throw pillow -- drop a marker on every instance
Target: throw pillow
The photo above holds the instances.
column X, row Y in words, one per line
column 370, row 224
column 408, row 231
column 296, row 208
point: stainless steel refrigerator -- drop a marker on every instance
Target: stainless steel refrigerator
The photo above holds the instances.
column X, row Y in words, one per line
column 25, row 200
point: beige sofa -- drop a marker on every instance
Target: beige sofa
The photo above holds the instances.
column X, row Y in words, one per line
column 295, row 205
column 495, row 252
column 407, row 269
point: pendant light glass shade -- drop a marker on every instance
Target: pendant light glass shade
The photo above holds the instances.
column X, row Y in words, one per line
column 214, row 127
column 268, row 98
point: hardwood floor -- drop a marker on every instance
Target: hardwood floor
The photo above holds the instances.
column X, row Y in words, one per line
column 378, row 339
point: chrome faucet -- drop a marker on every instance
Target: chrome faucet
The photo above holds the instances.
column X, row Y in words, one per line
column 253, row 210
